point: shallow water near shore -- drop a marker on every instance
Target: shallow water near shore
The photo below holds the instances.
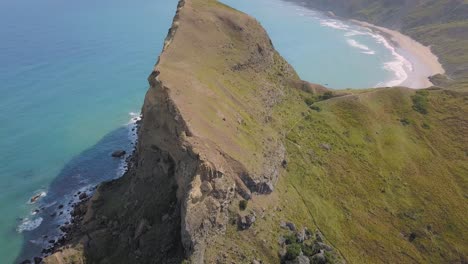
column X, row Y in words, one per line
column 327, row 51
column 71, row 73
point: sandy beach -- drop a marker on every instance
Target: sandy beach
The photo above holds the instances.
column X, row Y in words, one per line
column 424, row 62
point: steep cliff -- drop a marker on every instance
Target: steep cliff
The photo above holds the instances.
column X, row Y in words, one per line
column 378, row 175
column 206, row 134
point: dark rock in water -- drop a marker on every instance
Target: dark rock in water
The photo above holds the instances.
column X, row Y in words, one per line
column 51, row 241
column 37, row 260
column 53, row 215
column 118, row 153
column 26, row 261
column 35, row 198
column 82, row 196
column 60, row 206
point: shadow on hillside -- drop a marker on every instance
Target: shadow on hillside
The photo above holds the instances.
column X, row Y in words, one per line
column 81, row 173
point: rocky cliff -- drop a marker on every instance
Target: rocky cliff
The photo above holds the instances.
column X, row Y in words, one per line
column 206, row 138
column 239, row 161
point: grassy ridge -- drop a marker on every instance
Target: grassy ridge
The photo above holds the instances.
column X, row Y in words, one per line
column 385, row 179
column 382, row 181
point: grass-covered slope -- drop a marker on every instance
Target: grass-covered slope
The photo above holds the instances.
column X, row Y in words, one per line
column 382, row 173
column 382, row 181
column 392, row 187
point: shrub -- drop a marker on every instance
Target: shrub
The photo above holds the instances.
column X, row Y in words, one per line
column 316, row 108
column 326, row 95
column 293, row 251
column 309, row 101
column 290, row 239
column 420, row 102
column 308, row 250
column 405, row 121
column 243, row 204
column 426, row 126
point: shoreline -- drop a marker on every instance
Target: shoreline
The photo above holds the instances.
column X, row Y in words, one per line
column 60, row 217
column 423, row 62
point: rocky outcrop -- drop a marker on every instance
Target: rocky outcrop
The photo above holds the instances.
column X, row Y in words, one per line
column 202, row 141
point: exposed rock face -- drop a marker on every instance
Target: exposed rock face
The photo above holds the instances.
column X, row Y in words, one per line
column 193, row 154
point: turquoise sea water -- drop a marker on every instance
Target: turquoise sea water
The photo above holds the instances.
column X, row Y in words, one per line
column 72, row 72
column 327, row 51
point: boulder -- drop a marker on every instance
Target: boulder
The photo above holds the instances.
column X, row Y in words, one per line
column 319, row 258
column 301, row 259
column 326, row 146
column 245, row 222
column 206, row 187
column 318, row 246
column 118, row 153
column 301, row 235
column 318, row 236
column 37, row 260
column 288, row 225
column 35, row 198
column 82, row 196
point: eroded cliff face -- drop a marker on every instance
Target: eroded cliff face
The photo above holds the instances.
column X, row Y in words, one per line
column 206, row 138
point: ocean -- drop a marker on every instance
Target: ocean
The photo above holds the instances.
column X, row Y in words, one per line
column 73, row 75
column 327, row 51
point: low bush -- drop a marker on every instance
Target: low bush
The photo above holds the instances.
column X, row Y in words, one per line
column 420, row 102
column 243, row 204
column 326, row 95
column 293, row 251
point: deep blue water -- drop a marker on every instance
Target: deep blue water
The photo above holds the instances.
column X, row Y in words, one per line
column 71, row 72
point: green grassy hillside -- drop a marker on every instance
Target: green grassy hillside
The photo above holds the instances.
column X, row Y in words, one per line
column 381, row 173
column 383, row 182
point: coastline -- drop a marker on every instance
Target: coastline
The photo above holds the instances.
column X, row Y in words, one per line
column 423, row 62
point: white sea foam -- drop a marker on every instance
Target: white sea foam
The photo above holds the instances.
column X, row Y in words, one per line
column 132, row 134
column 333, row 23
column 29, row 224
column 399, row 66
column 364, row 48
